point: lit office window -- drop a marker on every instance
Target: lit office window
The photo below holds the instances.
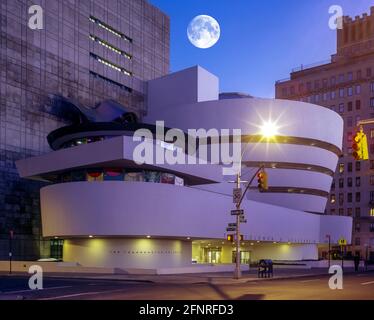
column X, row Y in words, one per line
column 109, row 28
column 110, row 64
column 110, row 47
column 372, row 212
column 341, row 167
column 332, row 198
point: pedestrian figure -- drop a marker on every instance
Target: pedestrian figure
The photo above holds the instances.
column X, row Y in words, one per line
column 356, row 260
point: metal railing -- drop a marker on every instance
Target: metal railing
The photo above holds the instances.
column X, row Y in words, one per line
column 311, row 65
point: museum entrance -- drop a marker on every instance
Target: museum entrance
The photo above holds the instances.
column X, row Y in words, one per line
column 212, row 255
column 245, row 257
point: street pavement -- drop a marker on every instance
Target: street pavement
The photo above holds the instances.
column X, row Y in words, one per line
column 287, row 286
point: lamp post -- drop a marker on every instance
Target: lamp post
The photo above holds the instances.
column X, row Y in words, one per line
column 11, row 233
column 268, row 131
column 329, row 252
column 237, row 272
column 366, row 256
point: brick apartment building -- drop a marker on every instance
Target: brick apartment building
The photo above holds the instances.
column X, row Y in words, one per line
column 88, row 52
column 345, row 84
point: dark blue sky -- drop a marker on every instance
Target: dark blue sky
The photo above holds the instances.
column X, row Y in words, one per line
column 261, row 40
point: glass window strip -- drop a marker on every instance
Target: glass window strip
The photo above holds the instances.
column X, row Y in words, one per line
column 111, row 81
column 110, row 29
column 110, row 64
column 110, row 47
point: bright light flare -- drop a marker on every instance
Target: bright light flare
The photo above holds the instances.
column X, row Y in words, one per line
column 269, row 129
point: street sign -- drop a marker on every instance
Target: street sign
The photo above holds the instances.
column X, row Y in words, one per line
column 237, row 212
column 243, row 219
column 232, row 224
column 230, row 229
column 236, row 195
column 342, row 242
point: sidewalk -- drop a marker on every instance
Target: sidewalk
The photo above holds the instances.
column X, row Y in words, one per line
column 212, row 278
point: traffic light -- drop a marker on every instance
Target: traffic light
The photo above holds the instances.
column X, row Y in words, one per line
column 360, row 146
column 230, row 237
column 262, row 178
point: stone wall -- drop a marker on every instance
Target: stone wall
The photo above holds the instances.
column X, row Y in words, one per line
column 37, row 64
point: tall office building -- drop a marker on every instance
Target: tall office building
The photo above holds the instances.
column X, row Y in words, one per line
column 345, row 84
column 88, row 54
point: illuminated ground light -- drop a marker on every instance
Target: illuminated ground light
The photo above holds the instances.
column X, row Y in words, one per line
column 148, row 237
column 90, row 236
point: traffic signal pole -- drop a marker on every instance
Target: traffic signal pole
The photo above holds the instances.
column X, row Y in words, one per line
column 237, row 272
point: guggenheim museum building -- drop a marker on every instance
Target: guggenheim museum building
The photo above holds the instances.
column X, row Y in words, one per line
column 109, row 210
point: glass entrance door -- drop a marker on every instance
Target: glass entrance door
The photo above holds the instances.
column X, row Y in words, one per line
column 212, row 255
column 245, row 257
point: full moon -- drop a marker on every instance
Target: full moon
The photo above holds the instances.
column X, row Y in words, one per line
column 203, row 31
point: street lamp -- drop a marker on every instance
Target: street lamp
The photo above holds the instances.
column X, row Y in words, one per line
column 329, row 253
column 268, row 130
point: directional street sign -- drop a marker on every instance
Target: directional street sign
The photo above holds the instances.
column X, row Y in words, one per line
column 232, row 224
column 237, row 212
column 229, row 229
column 243, row 219
column 237, row 195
